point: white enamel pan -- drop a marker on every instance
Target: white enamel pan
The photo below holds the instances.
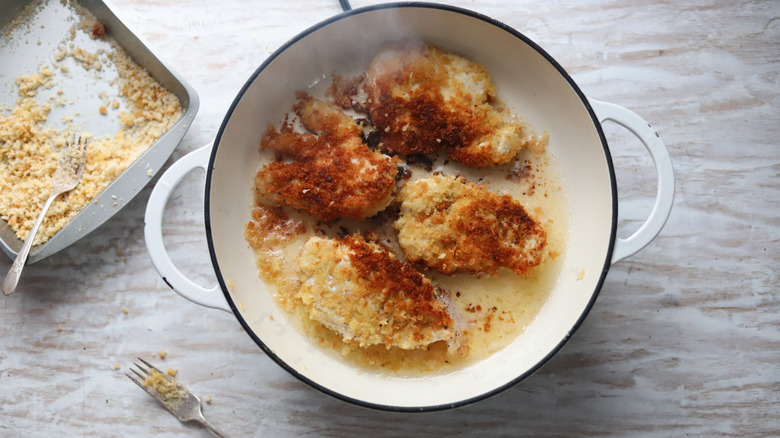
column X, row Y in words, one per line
column 526, row 77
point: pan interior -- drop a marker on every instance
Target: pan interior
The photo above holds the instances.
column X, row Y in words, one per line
column 527, row 79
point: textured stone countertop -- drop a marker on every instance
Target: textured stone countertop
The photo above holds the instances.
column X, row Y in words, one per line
column 684, row 339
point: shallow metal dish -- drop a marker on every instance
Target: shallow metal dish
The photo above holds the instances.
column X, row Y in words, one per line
column 24, row 54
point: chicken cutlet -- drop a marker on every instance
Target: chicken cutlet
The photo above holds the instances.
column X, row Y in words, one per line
column 423, row 100
column 363, row 292
column 452, row 225
column 332, row 174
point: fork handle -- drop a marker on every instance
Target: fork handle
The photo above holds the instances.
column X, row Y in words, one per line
column 202, row 420
column 12, row 278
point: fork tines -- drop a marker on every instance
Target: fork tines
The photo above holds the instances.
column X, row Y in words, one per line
column 141, row 376
column 146, row 371
column 169, row 399
column 183, row 404
column 154, row 392
column 73, row 159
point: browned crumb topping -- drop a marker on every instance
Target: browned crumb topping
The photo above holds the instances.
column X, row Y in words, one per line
column 453, row 225
column 424, row 100
column 360, row 290
column 408, row 296
column 334, row 174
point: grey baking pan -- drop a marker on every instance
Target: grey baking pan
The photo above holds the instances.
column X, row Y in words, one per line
column 23, row 48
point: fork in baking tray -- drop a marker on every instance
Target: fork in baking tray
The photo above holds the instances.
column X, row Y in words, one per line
column 31, row 33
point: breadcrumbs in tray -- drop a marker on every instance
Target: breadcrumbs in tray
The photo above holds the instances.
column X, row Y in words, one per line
column 31, row 137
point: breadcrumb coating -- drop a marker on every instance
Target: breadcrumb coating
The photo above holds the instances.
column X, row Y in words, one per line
column 452, row 225
column 368, row 296
column 334, row 174
column 424, row 100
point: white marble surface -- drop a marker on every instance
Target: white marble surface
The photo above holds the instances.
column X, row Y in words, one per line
column 683, row 340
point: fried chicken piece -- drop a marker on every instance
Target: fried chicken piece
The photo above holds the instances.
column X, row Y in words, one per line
column 452, row 225
column 424, row 100
column 363, row 292
column 334, row 174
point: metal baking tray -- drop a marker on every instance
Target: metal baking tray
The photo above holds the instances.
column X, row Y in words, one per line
column 23, row 48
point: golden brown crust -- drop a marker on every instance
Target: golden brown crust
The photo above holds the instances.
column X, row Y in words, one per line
column 452, row 225
column 335, row 175
column 409, row 297
column 366, row 294
column 424, row 100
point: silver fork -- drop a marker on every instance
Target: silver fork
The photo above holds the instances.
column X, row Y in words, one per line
column 179, row 401
column 70, row 167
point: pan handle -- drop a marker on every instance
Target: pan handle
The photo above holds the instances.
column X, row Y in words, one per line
column 209, row 297
column 665, row 172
